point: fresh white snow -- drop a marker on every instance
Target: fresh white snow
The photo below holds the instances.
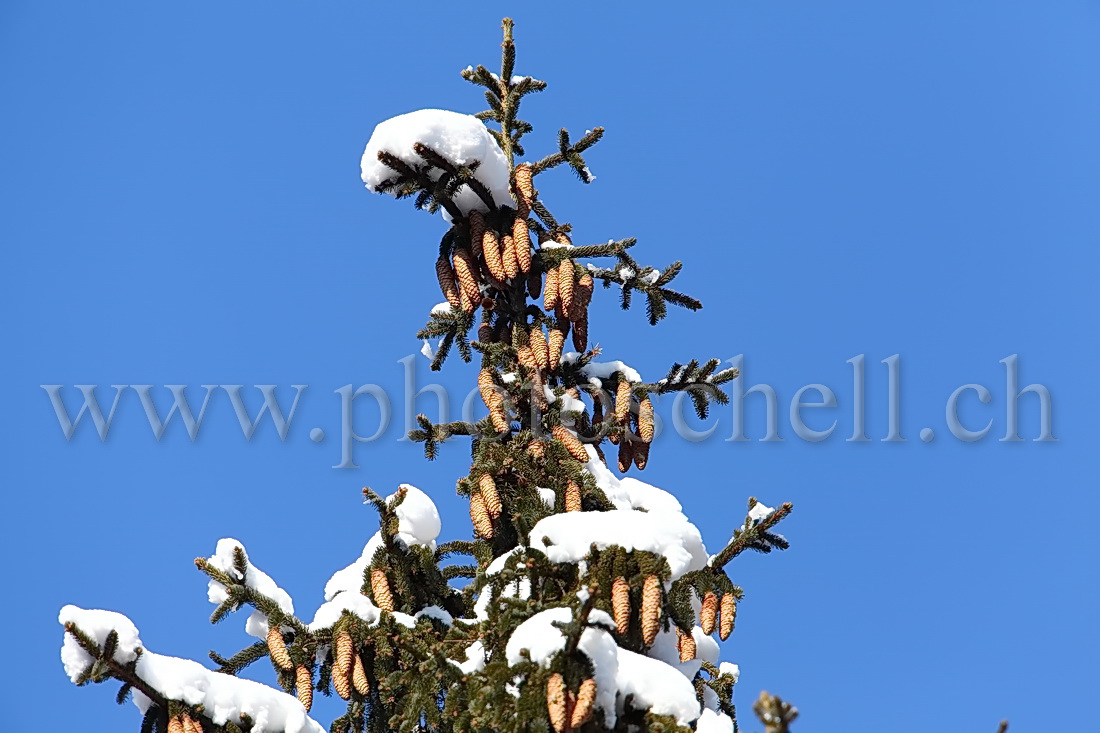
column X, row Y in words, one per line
column 254, row 578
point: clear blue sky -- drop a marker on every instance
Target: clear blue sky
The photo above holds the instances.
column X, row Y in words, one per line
column 181, row 205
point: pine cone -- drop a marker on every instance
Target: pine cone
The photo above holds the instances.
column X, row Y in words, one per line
column 527, row 358
column 585, row 286
column 499, row 417
column 446, row 277
column 556, row 702
column 729, row 614
column 477, row 232
column 586, row 699
column 571, row 443
column 620, row 604
column 555, row 346
column 341, row 683
column 525, row 184
column 380, row 587
column 536, row 449
column 580, row 330
column 539, row 346
column 572, row 497
column 685, row 643
column 276, row 647
column 522, row 238
column 640, row 453
column 465, row 271
column 490, row 247
column 485, row 332
column 359, row 677
column 343, row 651
column 304, row 685
column 489, row 495
column 510, row 257
column 190, row 725
column 709, row 612
column 175, row 724
column 645, row 419
column 550, row 294
column 651, row 609
column 622, row 400
column 626, row 453
column 566, row 281
column 487, row 387
column 483, row 525
column 534, row 283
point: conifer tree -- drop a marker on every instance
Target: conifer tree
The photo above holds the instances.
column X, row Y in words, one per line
column 586, row 601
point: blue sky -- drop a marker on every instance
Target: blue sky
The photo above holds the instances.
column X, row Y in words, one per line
column 181, row 205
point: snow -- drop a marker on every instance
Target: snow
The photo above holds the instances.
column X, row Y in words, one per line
column 731, row 669
column 712, row 722
column 461, row 139
column 549, row 498
column 567, row 537
column 475, row 659
column 441, row 309
column 759, row 512
column 602, row 369
column 254, row 578
column 346, row 600
column 418, row 524
column 656, row 686
column 521, row 588
column 224, row 698
column 435, row 612
column 427, row 350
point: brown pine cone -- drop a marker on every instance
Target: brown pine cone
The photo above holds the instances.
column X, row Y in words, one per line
column 556, row 702
column 527, row 358
column 622, row 400
column 534, row 283
column 536, row 449
column 522, row 238
column 499, row 417
column 343, row 652
column 477, row 232
column 640, row 453
column 380, row 587
column 585, row 286
column 626, row 453
column 550, row 294
column 685, row 643
column 572, row 497
column 645, row 419
column 490, row 247
column 566, row 281
column 620, row 604
column 525, row 184
column 304, row 685
column 489, row 495
column 709, row 612
column 580, row 330
column 586, row 700
column 571, row 443
column 465, row 271
column 510, row 257
column 359, row 677
column 341, row 683
column 487, row 387
column 483, row 525
column 555, row 346
column 539, row 346
column 651, row 609
column 276, row 647
column 446, row 276
column 729, row 614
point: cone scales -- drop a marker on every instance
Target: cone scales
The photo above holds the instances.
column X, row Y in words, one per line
column 622, row 400
column 491, row 252
column 277, row 648
column 626, row 454
column 536, row 449
column 555, row 346
column 470, row 293
column 380, row 587
column 586, row 699
column 489, row 495
column 304, row 685
column 477, row 232
column 359, row 677
column 483, row 525
column 580, row 330
column 446, row 278
column 729, row 614
column 645, row 419
column 550, row 293
column 572, row 497
column 556, row 702
column 685, row 643
column 539, row 347
column 651, row 609
column 175, row 724
column 571, row 443
column 709, row 612
column 620, row 604
column 522, row 239
column 510, row 258
column 341, row 683
column 525, row 184
column 190, row 725
column 566, row 282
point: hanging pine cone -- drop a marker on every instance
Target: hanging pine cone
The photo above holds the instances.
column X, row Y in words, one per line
column 620, row 604
column 380, row 587
column 572, row 496
column 626, row 453
column 580, row 331
column 556, row 702
column 191, row 725
column 585, row 286
column 490, row 250
column 534, row 283
column 485, row 332
column 709, row 612
column 651, row 609
column 586, row 700
column 640, row 453
column 343, row 651
column 685, row 643
column 622, row 400
column 499, row 417
column 341, row 683
column 175, row 724
column 539, row 346
column 525, row 184
column 550, row 294
column 566, row 281
column 489, row 495
column 536, row 449
column 465, row 271
column 555, row 346
column 522, row 239
column 729, row 614
column 446, row 277
column 483, row 525
column 276, row 647
column 571, row 443
column 510, row 257
column 487, row 387
column 477, row 233
column 526, row 357
column 304, row 685
column 359, row 677
column 645, row 419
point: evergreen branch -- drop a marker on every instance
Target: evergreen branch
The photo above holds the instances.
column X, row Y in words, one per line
column 568, row 153
column 752, row 536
